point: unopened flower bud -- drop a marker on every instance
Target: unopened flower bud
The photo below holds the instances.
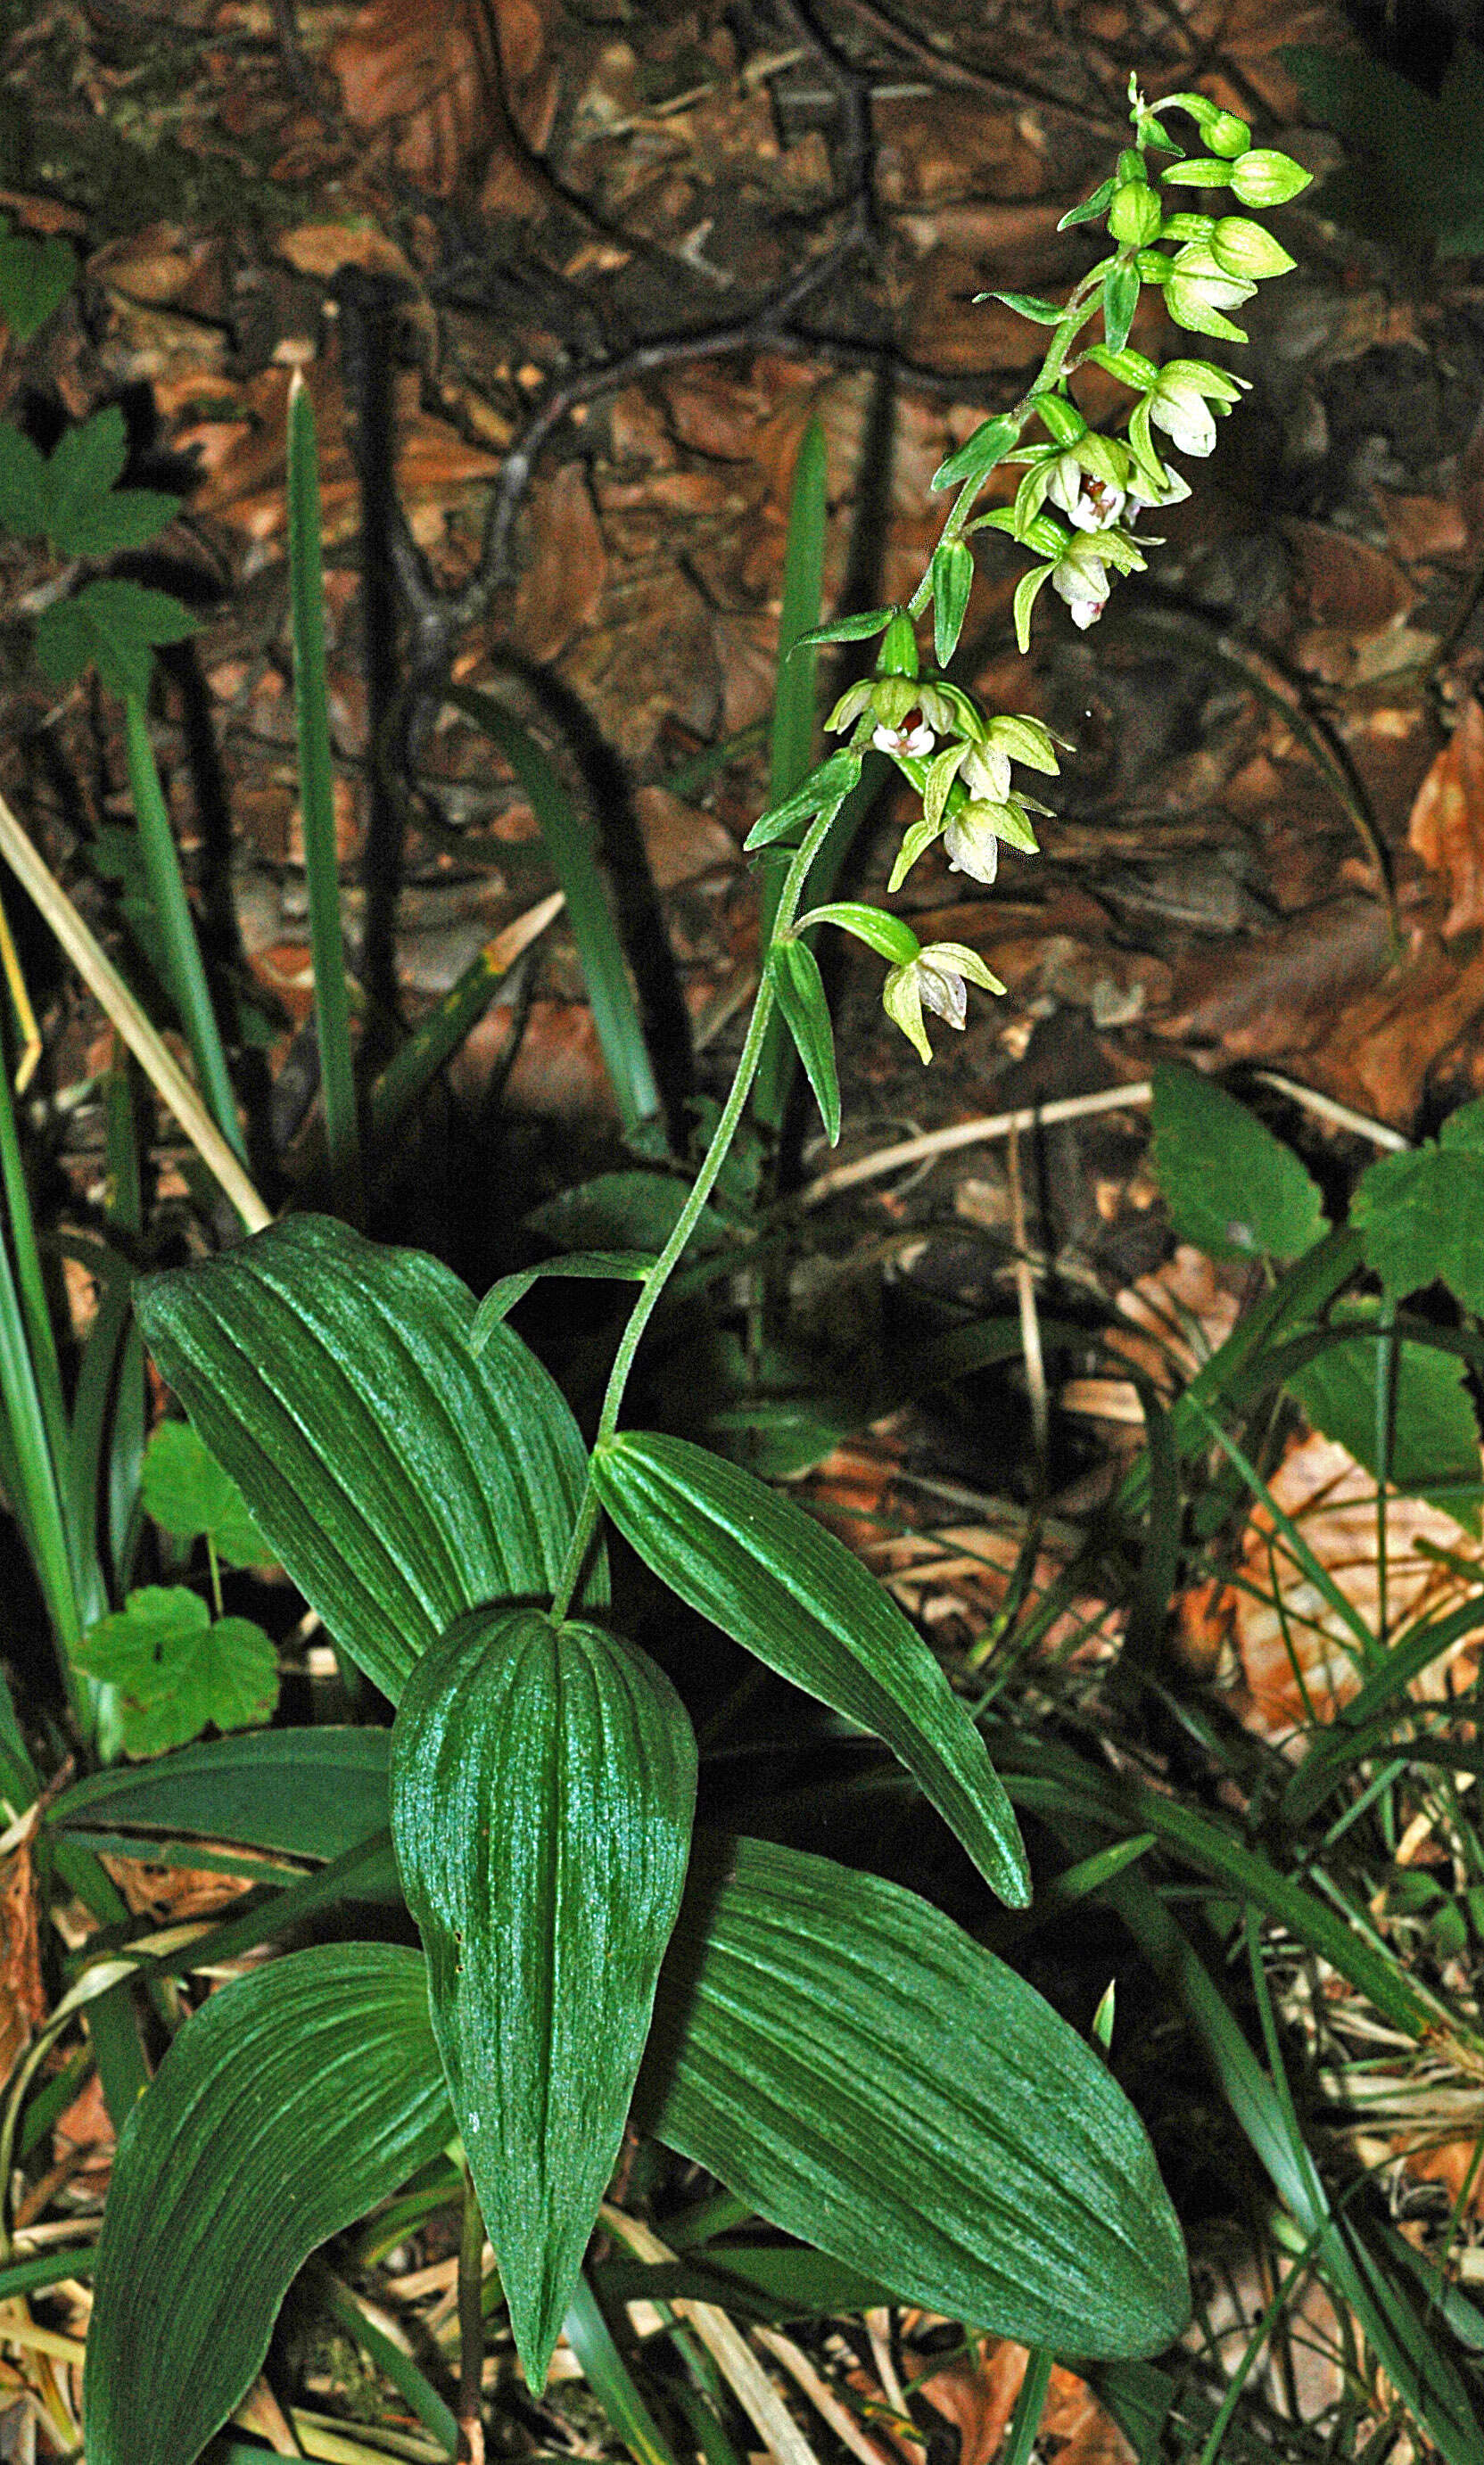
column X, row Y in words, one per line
column 1265, row 178
column 1245, row 249
column 1133, row 215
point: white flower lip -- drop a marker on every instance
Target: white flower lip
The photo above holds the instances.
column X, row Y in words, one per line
column 905, row 740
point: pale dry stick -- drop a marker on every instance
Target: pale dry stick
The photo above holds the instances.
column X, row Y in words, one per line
column 971, row 1134
column 1030, row 1320
column 729, row 2350
column 148, row 1047
column 1327, row 1108
column 822, row 2397
column 989, row 1126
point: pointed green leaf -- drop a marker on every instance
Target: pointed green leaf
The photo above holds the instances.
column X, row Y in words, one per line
column 288, row 2105
column 305, row 1793
column 1120, row 299
column 849, row 2061
column 828, row 783
column 1421, row 1216
column 623, row 1266
column 399, row 1479
column 1232, row 1188
column 35, row 276
column 542, row 1783
column 794, row 1596
column 1040, row 312
column 22, row 484
column 1089, row 209
column 870, row 622
column 978, row 455
column 793, row 973
column 187, row 1493
column 953, row 579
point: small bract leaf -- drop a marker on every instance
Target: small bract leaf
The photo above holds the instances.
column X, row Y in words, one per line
column 978, row 455
column 623, row 1266
column 1232, row 1188
column 186, row 1492
column 793, row 1595
column 543, row 1784
column 952, row 580
column 1120, row 299
column 289, row 2103
column 793, row 973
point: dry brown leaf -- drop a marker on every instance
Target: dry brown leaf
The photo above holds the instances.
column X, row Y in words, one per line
column 1345, row 582
column 682, row 844
column 1299, row 1656
column 1447, row 825
column 245, row 460
column 561, row 589
column 444, row 84
column 325, row 249
column 172, row 1894
column 23, row 2005
column 1181, row 1312
column 977, row 2392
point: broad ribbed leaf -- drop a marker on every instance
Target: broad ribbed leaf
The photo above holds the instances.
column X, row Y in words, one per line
column 287, row 2106
column 848, row 2060
column 400, row 1479
column 305, row 1793
column 793, row 1594
column 543, row 1784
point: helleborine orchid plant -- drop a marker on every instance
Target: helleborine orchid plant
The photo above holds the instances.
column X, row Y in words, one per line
column 584, row 1963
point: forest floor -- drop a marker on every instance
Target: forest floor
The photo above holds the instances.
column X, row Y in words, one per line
column 576, row 276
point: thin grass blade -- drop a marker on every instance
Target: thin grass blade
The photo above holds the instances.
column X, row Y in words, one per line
column 792, row 739
column 186, row 976
column 317, row 805
column 570, row 842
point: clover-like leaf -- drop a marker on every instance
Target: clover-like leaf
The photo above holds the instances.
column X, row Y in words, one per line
column 35, row 276
column 1421, row 1216
column 187, row 1493
column 23, row 487
column 177, row 1671
column 87, row 513
column 113, row 625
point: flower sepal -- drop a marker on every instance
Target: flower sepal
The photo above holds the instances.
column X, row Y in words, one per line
column 937, row 980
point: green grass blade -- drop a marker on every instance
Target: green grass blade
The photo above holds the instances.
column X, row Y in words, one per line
column 438, row 1037
column 30, row 1288
column 610, row 2379
column 571, row 841
column 185, row 974
column 316, row 806
column 399, row 2368
column 792, row 739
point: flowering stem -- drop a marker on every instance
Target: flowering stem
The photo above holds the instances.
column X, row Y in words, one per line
column 1081, row 309
column 655, row 1282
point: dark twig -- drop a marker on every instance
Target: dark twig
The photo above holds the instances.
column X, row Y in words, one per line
column 953, row 72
